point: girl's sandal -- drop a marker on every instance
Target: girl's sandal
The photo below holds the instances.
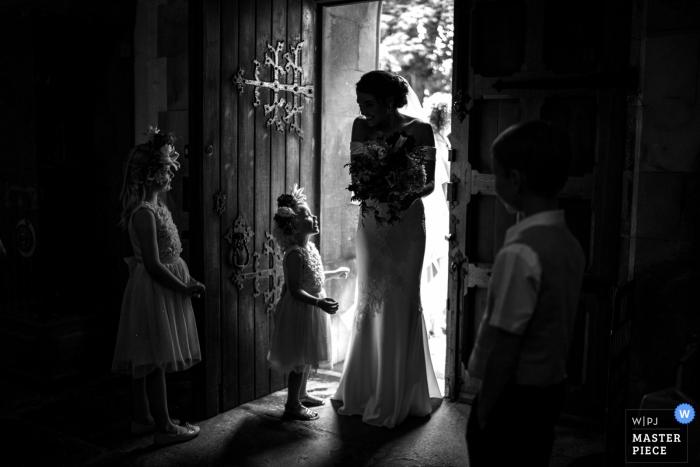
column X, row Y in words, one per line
column 301, row 413
column 311, row 401
column 184, row 433
column 139, row 429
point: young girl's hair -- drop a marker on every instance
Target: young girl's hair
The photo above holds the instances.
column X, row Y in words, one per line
column 286, row 223
column 146, row 163
column 439, row 116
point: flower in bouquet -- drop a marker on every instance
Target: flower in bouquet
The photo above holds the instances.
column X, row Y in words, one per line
column 387, row 171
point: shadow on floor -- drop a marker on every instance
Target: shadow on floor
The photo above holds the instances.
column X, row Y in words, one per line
column 88, row 425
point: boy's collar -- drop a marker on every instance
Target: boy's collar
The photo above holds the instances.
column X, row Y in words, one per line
column 553, row 217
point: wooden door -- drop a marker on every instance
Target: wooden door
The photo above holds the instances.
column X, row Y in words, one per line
column 246, row 155
column 565, row 62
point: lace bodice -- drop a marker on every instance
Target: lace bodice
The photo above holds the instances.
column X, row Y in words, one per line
column 169, row 245
column 312, row 277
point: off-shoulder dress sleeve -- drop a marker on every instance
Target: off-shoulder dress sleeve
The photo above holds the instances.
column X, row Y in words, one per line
column 356, row 147
column 430, row 154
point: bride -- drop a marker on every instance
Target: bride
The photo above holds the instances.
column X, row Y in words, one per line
column 388, row 374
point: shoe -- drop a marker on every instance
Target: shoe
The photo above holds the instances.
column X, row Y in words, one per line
column 165, row 439
column 311, row 401
column 139, row 429
column 300, row 413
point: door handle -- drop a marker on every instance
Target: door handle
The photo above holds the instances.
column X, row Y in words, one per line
column 459, row 107
column 238, row 237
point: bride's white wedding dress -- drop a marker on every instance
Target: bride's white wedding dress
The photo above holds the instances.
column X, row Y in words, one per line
column 388, row 374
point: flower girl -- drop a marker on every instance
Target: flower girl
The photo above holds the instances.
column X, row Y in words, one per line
column 157, row 331
column 301, row 335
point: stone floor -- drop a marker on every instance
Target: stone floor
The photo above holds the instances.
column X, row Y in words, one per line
column 87, row 424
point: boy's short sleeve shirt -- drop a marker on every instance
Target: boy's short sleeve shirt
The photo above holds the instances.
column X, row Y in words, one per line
column 516, row 276
column 515, row 282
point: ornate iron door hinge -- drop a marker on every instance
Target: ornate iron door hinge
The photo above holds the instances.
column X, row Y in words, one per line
column 238, row 237
column 272, row 276
column 576, row 187
column 459, row 107
column 452, row 191
column 478, row 274
column 452, row 237
column 456, row 268
column 291, row 108
column 220, row 203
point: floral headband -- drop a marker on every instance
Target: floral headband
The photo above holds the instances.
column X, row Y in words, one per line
column 286, row 203
column 164, row 143
column 163, row 157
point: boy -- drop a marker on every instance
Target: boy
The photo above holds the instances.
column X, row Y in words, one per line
column 523, row 341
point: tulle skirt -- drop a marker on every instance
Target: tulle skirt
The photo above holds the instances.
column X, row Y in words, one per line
column 301, row 335
column 157, row 327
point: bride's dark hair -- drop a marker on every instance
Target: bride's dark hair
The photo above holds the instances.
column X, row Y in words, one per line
column 382, row 85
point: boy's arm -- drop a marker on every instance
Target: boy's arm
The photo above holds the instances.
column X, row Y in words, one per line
column 512, row 299
column 500, row 366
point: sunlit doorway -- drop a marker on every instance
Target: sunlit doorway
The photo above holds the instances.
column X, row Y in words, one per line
column 416, row 42
column 414, row 39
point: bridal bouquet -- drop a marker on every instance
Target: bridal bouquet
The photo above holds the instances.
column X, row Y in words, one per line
column 388, row 170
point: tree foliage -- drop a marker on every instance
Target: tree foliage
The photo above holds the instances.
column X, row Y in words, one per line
column 416, row 42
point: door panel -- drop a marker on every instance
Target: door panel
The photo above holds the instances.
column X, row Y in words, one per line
column 205, row 247
column 228, row 333
column 278, row 153
column 242, row 188
column 246, row 160
column 498, row 27
column 539, row 59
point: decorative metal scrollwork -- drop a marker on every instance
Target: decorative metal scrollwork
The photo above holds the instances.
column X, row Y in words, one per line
column 452, row 238
column 452, row 191
column 459, row 106
column 25, row 238
column 273, row 271
column 238, row 237
column 220, row 203
column 292, row 109
column 456, row 268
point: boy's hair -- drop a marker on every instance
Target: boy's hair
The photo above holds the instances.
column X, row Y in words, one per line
column 540, row 151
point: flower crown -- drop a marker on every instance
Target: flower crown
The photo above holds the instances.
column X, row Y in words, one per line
column 162, row 156
column 286, row 204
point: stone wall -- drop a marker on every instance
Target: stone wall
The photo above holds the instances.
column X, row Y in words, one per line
column 161, row 70
column 664, row 249
column 67, row 111
column 349, row 50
